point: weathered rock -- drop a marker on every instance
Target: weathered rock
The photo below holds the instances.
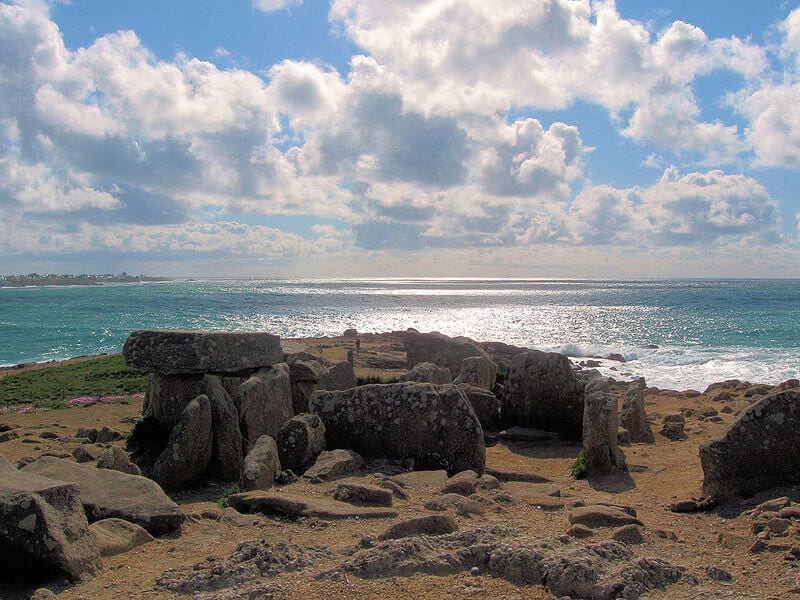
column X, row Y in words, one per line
column 599, row 515
column 477, row 371
column 362, row 493
column 334, row 464
column 105, row 493
column 309, row 373
column 87, row 432
column 116, row 459
column 503, row 475
column 43, row 594
column 623, row 437
column 115, row 536
column 542, row 391
column 43, row 529
column 86, row 453
column 260, row 465
column 600, row 424
column 633, row 416
column 673, row 430
column 227, row 447
column 215, row 352
column 441, row 350
column 189, row 449
column 424, row 525
column 461, row 505
column 296, row 506
column 436, row 426
column 485, row 404
column 761, row 449
column 106, row 434
column 628, row 534
column 428, row 373
column 300, row 441
column 718, row 574
column 7, row 436
column 265, row 403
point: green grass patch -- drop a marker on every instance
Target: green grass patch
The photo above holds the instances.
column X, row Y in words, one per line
column 226, row 495
column 52, row 386
column 374, row 379
column 578, row 468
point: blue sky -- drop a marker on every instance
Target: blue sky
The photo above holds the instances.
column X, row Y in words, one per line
column 380, row 137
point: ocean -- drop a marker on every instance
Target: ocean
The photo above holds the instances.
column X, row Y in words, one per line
column 678, row 334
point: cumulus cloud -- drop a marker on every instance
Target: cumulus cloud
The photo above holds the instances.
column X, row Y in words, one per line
column 275, row 5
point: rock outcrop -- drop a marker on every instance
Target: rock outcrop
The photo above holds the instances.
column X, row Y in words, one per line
column 633, row 416
column 541, row 391
column 441, row 350
column 428, row 373
column 761, row 449
column 434, row 425
column 43, row 529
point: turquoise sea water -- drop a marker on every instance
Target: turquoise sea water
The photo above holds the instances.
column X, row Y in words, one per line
column 704, row 330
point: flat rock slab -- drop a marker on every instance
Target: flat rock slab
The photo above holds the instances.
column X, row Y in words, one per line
column 423, row 525
column 527, row 435
column 422, row 478
column 523, row 488
column 599, row 515
column 106, row 494
column 296, row 506
column 502, row 475
column 115, row 536
column 216, row 352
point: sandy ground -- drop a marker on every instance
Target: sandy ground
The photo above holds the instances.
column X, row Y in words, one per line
column 659, row 474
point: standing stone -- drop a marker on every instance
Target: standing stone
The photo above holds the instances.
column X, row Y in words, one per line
column 440, row 350
column 428, row 373
column 43, row 529
column 477, row 371
column 260, row 465
column 300, row 441
column 265, row 403
column 600, row 424
column 761, row 449
column 434, row 425
column 309, row 372
column 189, row 448
column 216, row 352
column 633, row 417
column 226, row 451
column 486, row 406
column 541, row 391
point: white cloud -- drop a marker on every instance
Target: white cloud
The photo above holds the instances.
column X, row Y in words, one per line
column 275, row 5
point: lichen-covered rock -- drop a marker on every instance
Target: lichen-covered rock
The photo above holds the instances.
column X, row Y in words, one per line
column 300, row 441
column 761, row 449
column 541, row 391
column 188, row 451
column 441, row 350
column 428, row 373
column 105, row 493
column 477, row 371
column 216, row 352
column 265, row 403
column 485, row 404
column 260, row 465
column 43, row 529
column 434, row 425
column 633, row 416
column 600, row 424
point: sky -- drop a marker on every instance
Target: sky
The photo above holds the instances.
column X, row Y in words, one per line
column 400, row 138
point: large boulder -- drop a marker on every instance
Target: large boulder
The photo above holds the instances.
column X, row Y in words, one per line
column 105, row 493
column 189, row 449
column 434, row 425
column 440, row 350
column 300, row 441
column 309, row 372
column 428, row 373
column 265, row 403
column 600, row 424
column 541, row 391
column 261, row 465
column 477, row 371
column 43, row 529
column 485, row 404
column 217, row 352
column 761, row 449
column 633, row 416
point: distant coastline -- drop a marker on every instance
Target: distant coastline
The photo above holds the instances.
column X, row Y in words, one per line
column 61, row 279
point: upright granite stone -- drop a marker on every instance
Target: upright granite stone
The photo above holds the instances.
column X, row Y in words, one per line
column 309, row 372
column 760, row 450
column 440, row 350
column 227, row 447
column 300, row 441
column 189, row 449
column 633, row 416
column 261, row 465
column 485, row 404
column 541, row 391
column 477, row 371
column 43, row 529
column 265, row 403
column 202, row 352
column 105, row 493
column 600, row 425
column 434, row 425
column 428, row 373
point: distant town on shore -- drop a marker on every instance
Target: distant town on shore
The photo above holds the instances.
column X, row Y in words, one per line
column 36, row 279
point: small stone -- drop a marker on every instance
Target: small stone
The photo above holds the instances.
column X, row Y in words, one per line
column 628, row 534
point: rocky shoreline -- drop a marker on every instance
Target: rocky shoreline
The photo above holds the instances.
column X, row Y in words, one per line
column 503, row 471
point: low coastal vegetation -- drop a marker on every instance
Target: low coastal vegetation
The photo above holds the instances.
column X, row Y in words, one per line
column 54, row 387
